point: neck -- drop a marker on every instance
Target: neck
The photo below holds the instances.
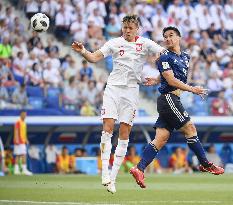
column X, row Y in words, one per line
column 176, row 50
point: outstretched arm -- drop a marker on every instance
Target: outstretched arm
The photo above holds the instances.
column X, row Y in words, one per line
column 174, row 82
column 89, row 56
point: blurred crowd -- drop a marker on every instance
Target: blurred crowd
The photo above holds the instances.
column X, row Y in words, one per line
column 207, row 34
column 176, row 159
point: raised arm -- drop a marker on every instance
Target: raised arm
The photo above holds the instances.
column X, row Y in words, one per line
column 89, row 56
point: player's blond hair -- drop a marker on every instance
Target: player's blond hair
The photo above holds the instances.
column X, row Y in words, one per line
column 132, row 18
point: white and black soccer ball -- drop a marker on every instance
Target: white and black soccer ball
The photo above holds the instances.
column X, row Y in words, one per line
column 39, row 22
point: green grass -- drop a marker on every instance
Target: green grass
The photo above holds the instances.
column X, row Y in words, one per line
column 86, row 190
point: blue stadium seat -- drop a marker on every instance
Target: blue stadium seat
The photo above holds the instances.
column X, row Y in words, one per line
column 36, row 102
column 34, row 91
column 53, row 98
column 226, row 154
column 35, row 166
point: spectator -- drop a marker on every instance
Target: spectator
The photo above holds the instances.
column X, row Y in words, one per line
column 19, row 46
column 19, row 97
column 215, row 85
column 33, row 40
column 52, row 77
column 90, row 92
column 35, row 76
column 5, row 49
column 213, row 156
column 86, row 70
column 131, row 159
column 62, row 23
column 6, row 76
column 65, row 163
column 68, row 67
column 20, row 67
column 87, row 109
column 17, row 27
column 178, row 161
column 78, row 30
column 112, row 30
column 4, row 96
column 9, row 161
column 51, row 156
column 219, row 106
column 72, row 98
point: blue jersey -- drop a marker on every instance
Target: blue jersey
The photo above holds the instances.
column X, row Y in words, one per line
column 179, row 64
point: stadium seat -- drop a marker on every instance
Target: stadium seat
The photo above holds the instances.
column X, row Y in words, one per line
column 36, row 102
column 53, row 98
column 226, row 154
column 34, row 91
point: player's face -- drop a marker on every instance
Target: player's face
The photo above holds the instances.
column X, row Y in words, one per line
column 171, row 39
column 23, row 115
column 129, row 31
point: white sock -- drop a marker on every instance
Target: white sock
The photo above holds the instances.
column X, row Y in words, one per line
column 105, row 147
column 17, row 168
column 24, row 167
column 119, row 156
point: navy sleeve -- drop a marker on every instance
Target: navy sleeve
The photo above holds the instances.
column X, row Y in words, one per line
column 163, row 63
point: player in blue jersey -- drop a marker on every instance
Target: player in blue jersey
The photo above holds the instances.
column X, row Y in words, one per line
column 173, row 67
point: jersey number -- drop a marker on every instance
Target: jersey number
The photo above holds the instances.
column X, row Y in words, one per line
column 165, row 65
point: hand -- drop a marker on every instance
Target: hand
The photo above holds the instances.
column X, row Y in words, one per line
column 78, row 47
column 200, row 91
column 151, row 81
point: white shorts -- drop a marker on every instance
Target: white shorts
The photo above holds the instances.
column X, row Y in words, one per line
column 20, row 149
column 120, row 103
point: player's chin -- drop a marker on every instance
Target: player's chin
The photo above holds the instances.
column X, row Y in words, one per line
column 169, row 46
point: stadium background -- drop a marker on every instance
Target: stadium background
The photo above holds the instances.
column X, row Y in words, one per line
column 42, row 75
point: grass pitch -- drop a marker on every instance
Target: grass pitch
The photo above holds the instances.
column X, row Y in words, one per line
column 86, row 190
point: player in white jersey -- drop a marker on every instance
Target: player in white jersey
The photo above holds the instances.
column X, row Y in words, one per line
column 121, row 95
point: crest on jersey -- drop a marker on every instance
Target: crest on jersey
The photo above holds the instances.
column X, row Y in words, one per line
column 138, row 46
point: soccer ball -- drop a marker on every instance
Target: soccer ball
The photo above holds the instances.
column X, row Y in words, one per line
column 40, row 22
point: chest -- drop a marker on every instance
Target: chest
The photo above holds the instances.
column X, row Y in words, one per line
column 131, row 51
column 180, row 65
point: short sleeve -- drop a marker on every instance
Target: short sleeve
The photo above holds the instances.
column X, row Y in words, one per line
column 154, row 47
column 106, row 49
column 163, row 63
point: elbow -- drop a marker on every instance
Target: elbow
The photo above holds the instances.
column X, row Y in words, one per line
column 172, row 83
column 93, row 61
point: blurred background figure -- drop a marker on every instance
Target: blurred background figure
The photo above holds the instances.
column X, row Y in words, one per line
column 20, row 145
column 65, row 162
column 178, row 161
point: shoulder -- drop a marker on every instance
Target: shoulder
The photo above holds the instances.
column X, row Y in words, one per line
column 165, row 56
column 186, row 54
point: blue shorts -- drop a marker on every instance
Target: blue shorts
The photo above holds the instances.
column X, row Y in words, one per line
column 172, row 114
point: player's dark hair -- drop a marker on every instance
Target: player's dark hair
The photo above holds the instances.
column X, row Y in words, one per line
column 131, row 19
column 173, row 29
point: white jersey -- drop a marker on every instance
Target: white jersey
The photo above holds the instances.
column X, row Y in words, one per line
column 128, row 59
